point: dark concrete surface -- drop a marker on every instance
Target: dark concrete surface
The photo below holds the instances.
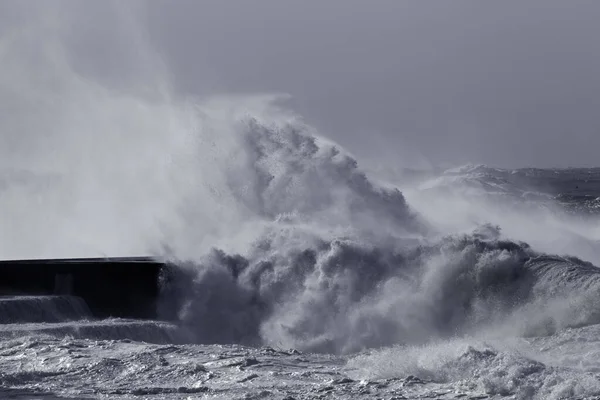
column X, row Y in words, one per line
column 126, row 287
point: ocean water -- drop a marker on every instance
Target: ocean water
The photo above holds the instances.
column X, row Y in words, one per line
column 302, row 276
column 302, row 272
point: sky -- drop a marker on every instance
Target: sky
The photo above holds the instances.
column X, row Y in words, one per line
column 420, row 83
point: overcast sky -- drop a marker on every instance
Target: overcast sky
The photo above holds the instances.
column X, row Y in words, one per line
column 506, row 83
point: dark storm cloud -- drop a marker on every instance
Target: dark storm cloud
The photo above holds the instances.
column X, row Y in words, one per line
column 508, row 83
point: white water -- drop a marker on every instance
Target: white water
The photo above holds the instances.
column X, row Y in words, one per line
column 22, row 309
column 283, row 240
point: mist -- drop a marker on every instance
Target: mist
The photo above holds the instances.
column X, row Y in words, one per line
column 128, row 117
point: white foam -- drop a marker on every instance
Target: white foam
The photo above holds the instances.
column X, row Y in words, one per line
column 19, row 309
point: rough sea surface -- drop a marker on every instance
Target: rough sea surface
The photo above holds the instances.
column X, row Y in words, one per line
column 469, row 283
column 304, row 271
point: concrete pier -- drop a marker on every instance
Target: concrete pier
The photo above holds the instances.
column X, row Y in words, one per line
column 126, row 287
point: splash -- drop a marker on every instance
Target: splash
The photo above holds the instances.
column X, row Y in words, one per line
column 346, row 295
column 282, row 237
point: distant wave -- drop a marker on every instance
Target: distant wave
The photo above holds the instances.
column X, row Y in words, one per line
column 484, row 181
column 577, row 188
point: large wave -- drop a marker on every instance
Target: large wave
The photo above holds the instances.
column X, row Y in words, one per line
column 337, row 264
column 282, row 238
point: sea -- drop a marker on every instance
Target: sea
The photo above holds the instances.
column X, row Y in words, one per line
column 303, row 274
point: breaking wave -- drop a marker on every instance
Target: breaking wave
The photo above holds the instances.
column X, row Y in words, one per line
column 496, row 368
column 282, row 238
column 337, row 263
column 343, row 296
